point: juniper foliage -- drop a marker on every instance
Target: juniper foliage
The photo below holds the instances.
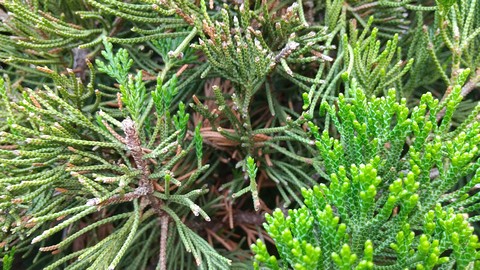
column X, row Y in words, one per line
column 149, row 133
column 384, row 207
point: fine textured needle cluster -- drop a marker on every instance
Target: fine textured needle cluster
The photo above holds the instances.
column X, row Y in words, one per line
column 237, row 134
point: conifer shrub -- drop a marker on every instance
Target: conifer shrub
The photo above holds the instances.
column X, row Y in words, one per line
column 384, row 207
column 180, row 134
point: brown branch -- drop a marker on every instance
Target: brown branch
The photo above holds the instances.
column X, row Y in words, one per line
column 145, row 187
column 132, row 140
column 113, row 132
column 163, row 242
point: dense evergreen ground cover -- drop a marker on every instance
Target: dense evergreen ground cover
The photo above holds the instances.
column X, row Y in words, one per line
column 268, row 134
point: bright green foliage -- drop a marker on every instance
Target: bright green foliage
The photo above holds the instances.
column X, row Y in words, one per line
column 180, row 120
column 132, row 89
column 119, row 64
column 371, row 68
column 8, row 260
column 198, row 144
column 378, row 193
column 251, row 173
column 163, row 95
column 134, row 95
